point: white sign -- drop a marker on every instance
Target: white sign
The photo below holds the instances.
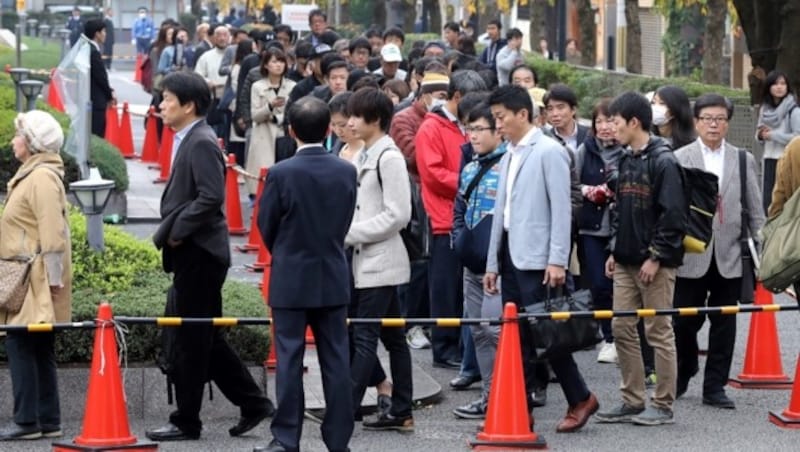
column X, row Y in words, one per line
column 296, row 16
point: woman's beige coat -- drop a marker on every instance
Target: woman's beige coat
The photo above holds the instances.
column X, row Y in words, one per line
column 266, row 126
column 34, row 220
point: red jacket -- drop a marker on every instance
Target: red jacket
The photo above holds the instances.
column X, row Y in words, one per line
column 438, row 145
column 405, row 124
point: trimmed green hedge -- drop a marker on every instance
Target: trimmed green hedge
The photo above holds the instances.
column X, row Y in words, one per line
column 590, row 85
column 128, row 275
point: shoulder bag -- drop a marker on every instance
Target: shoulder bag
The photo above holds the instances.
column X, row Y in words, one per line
column 748, row 269
column 558, row 337
column 15, row 276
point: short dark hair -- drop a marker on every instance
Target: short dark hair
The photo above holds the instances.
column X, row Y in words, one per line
column 93, row 27
column 470, row 101
column 562, row 93
column 396, row 32
column 481, row 111
column 464, row 82
column 304, row 49
column 514, row 33
column 712, row 100
column 520, row 67
column 268, row 54
column 514, row 98
column 365, row 81
column 372, row 105
column 283, row 28
column 329, row 37
column 490, row 77
column 309, row 118
column 316, row 12
column 452, row 26
column 189, row 87
column 631, row 104
column 496, row 23
column 373, row 33
column 330, row 60
column 359, row 43
column 338, row 103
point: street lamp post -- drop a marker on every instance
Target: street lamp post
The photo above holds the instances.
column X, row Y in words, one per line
column 92, row 195
column 20, row 23
column 44, row 33
column 18, row 74
column 31, row 90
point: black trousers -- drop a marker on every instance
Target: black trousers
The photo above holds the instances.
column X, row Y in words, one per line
column 446, row 297
column 32, row 362
column 722, row 334
column 201, row 352
column 329, row 325
column 524, row 287
column 99, row 122
column 381, row 302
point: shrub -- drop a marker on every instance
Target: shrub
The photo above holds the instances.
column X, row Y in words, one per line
column 117, row 267
column 146, row 298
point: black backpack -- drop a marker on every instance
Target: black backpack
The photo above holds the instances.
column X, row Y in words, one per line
column 416, row 234
column 701, row 190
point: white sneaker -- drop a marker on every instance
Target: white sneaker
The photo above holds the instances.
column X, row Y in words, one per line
column 608, row 354
column 416, row 338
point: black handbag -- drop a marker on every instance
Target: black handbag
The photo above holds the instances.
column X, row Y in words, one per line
column 747, row 295
column 558, row 337
column 216, row 114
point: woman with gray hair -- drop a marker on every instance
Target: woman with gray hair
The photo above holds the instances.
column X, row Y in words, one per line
column 34, row 224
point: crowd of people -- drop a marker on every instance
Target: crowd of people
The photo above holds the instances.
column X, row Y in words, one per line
column 437, row 183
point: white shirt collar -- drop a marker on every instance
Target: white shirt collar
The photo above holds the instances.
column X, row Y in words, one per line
column 524, row 141
column 309, row 146
column 705, row 148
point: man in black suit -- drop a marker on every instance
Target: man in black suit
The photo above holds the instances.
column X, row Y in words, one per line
column 193, row 238
column 101, row 93
column 304, row 215
column 108, row 45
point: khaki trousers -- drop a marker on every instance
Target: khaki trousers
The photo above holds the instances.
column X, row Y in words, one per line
column 631, row 293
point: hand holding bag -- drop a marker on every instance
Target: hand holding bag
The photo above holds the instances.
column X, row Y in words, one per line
column 14, row 280
column 748, row 286
column 558, row 337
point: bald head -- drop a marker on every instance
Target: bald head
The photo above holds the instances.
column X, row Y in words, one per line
column 222, row 37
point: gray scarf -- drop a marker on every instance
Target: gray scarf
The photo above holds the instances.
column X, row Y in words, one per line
column 772, row 117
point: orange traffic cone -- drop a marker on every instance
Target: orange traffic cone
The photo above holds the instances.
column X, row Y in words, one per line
column 165, row 154
column 105, row 420
column 150, row 145
column 310, row 336
column 263, row 260
column 508, row 422
column 233, row 206
column 53, row 96
column 790, row 417
column 254, row 238
column 126, row 134
column 137, row 73
column 762, row 360
column 112, row 126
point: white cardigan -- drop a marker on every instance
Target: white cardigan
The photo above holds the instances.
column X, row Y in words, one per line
column 379, row 255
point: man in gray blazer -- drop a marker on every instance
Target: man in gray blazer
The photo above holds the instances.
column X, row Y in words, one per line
column 530, row 239
column 715, row 274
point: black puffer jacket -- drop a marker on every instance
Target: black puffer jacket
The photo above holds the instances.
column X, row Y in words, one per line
column 650, row 215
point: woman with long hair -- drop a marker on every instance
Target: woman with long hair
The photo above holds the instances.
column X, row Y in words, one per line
column 778, row 123
column 672, row 116
column 164, row 39
column 268, row 98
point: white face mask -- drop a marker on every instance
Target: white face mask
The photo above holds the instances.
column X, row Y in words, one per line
column 142, row 15
column 659, row 115
column 436, row 103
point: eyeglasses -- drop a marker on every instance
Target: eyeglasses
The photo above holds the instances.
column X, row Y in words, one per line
column 713, row 119
column 478, row 129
